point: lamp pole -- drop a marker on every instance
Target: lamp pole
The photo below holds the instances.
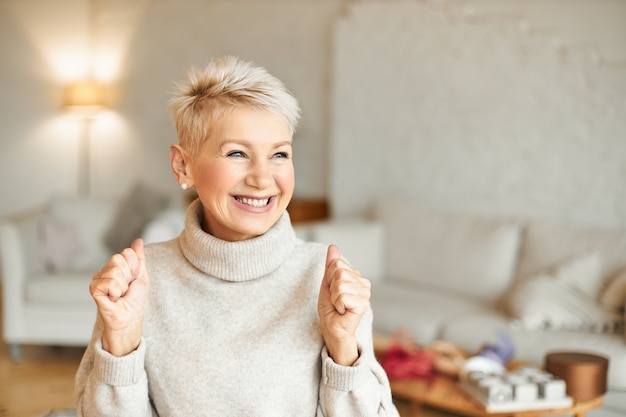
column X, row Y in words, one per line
column 84, row 157
column 85, row 99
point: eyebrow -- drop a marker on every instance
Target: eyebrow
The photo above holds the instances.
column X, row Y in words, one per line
column 244, row 142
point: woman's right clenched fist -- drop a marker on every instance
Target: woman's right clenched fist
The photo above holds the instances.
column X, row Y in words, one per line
column 120, row 291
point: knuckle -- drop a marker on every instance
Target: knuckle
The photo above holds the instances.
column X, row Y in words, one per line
column 340, row 298
column 366, row 283
column 117, row 258
column 126, row 251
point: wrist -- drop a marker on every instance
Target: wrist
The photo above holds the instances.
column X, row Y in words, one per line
column 343, row 352
column 121, row 343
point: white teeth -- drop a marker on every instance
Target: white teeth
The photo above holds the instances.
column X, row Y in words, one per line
column 254, row 202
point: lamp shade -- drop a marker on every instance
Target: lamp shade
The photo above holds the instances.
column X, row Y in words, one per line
column 85, row 95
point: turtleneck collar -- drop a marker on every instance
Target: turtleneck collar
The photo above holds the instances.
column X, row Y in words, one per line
column 235, row 261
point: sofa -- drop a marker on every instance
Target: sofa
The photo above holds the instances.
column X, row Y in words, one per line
column 440, row 275
column 464, row 278
column 48, row 255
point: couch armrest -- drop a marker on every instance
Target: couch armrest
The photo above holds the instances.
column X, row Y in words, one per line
column 20, row 257
column 13, row 271
column 361, row 242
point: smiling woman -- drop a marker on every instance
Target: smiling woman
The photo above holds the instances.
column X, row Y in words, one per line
column 237, row 289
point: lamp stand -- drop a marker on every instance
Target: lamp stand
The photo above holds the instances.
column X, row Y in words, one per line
column 84, row 158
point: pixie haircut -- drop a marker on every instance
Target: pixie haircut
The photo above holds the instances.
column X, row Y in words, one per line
column 226, row 83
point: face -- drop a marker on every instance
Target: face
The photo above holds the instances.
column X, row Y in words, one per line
column 244, row 174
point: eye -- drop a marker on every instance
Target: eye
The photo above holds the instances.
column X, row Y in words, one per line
column 281, row 155
column 236, row 154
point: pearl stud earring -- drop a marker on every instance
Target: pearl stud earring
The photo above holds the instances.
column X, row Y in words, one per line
column 184, row 186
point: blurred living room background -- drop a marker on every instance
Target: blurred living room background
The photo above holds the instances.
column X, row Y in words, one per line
column 505, row 108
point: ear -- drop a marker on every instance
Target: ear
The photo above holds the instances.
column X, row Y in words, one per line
column 179, row 160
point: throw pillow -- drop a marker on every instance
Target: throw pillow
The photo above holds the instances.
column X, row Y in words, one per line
column 470, row 255
column 59, row 243
column 584, row 273
column 362, row 243
column 613, row 295
column 133, row 214
column 91, row 217
column 560, row 299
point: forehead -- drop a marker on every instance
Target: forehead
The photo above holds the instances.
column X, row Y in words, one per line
column 250, row 124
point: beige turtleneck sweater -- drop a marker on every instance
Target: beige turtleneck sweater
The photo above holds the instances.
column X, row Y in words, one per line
column 232, row 330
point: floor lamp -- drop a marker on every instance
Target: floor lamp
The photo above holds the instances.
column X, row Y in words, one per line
column 85, row 99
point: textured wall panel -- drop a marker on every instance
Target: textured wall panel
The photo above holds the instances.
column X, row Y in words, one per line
column 448, row 105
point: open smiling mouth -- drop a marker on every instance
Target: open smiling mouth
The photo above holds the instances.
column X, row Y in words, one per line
column 254, row 202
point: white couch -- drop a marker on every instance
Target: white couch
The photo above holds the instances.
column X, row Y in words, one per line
column 48, row 256
column 463, row 278
column 440, row 275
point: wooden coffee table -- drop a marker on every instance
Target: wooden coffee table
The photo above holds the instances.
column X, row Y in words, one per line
column 446, row 394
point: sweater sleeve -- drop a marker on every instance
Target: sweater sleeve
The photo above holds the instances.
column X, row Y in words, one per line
column 358, row 390
column 106, row 385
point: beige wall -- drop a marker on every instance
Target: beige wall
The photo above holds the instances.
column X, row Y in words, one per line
column 141, row 47
column 502, row 108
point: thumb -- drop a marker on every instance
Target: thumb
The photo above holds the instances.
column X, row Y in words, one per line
column 332, row 254
column 138, row 247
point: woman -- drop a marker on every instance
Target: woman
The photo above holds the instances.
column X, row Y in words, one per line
column 236, row 317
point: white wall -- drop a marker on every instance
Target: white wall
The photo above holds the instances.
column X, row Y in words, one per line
column 507, row 108
column 146, row 45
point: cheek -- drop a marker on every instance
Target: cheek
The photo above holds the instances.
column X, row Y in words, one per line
column 287, row 179
column 212, row 178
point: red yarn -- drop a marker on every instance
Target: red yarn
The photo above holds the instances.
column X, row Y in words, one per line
column 399, row 362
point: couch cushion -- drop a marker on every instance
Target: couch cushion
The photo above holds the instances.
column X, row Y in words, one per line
column 59, row 243
column 469, row 255
column 360, row 242
column 546, row 244
column 565, row 298
column 66, row 288
column 91, row 218
column 420, row 310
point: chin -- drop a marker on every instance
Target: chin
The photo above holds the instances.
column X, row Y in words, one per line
column 257, row 226
column 257, row 229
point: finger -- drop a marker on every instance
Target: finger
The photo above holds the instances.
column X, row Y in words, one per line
column 117, row 261
column 334, row 262
column 348, row 290
column 116, row 275
column 139, row 248
column 138, row 288
column 136, row 258
column 105, row 284
column 352, row 303
column 332, row 254
column 338, row 291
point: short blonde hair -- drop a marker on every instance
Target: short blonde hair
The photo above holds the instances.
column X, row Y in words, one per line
column 226, row 83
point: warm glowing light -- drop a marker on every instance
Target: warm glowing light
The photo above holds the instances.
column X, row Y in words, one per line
column 68, row 64
column 77, row 42
column 85, row 96
column 106, row 65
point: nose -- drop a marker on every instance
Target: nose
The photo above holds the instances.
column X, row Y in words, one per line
column 259, row 175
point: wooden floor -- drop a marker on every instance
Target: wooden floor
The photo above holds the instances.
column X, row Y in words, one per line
column 42, row 381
